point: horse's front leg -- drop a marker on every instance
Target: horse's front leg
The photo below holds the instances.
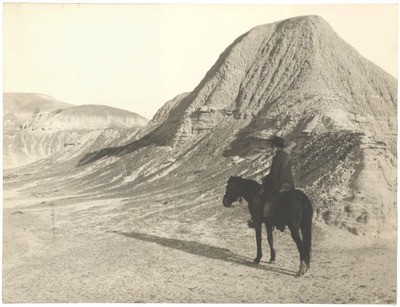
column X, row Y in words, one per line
column 258, row 240
column 270, row 241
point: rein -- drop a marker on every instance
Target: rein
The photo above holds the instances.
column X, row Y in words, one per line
column 243, row 186
column 254, row 192
column 250, row 195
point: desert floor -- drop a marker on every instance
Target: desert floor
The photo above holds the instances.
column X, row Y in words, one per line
column 79, row 249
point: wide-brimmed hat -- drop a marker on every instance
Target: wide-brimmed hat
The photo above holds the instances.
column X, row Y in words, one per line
column 277, row 141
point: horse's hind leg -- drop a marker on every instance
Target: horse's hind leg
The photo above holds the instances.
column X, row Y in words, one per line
column 306, row 235
column 258, row 241
column 294, row 230
column 270, row 241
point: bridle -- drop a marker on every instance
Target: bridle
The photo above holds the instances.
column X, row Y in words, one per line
column 250, row 195
column 229, row 190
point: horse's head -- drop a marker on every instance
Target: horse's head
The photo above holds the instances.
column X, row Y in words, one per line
column 232, row 192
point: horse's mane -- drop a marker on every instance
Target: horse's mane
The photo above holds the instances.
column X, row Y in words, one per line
column 249, row 182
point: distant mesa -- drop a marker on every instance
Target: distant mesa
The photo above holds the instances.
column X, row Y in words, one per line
column 31, row 103
column 37, row 126
column 37, row 112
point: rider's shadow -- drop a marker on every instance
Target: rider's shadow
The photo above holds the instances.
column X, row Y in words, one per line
column 203, row 250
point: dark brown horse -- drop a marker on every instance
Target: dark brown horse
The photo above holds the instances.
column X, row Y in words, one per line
column 293, row 208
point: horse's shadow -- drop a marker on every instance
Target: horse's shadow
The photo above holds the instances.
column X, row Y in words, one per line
column 203, row 250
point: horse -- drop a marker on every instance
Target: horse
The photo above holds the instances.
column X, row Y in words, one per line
column 295, row 211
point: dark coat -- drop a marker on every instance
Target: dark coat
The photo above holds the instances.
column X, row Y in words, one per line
column 279, row 174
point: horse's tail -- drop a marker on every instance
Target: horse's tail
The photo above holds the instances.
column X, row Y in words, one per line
column 306, row 228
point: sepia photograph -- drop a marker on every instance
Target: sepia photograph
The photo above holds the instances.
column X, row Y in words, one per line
column 223, row 153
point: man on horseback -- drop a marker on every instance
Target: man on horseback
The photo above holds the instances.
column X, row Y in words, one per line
column 279, row 179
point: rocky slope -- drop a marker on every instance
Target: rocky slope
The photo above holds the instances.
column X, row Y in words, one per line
column 291, row 76
column 295, row 78
column 37, row 127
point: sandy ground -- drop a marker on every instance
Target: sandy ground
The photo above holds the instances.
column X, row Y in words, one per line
column 112, row 250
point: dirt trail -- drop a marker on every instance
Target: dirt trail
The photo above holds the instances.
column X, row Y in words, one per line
column 100, row 251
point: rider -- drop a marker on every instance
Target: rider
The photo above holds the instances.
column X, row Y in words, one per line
column 279, row 179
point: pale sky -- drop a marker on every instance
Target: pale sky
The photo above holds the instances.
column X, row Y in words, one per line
column 137, row 57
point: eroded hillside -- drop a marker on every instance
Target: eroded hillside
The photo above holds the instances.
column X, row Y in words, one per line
column 295, row 78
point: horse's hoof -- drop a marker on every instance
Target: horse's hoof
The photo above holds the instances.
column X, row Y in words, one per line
column 271, row 261
column 301, row 272
column 256, row 261
column 251, row 224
